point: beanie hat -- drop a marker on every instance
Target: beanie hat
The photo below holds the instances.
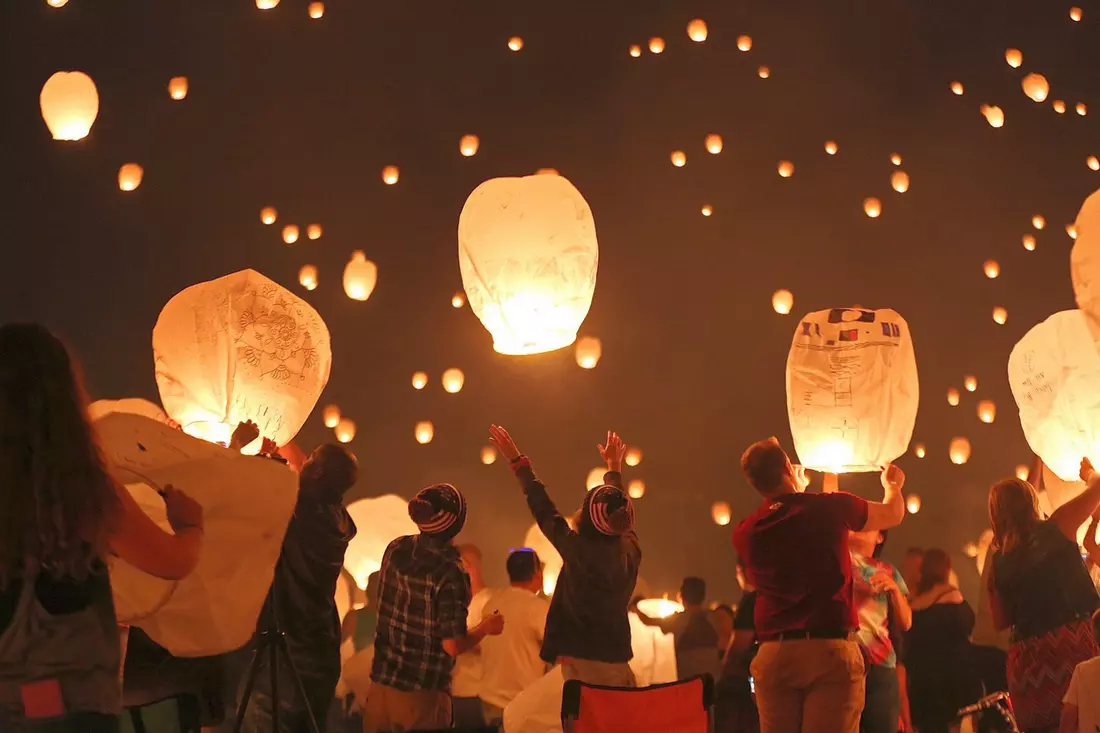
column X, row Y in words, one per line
column 610, row 510
column 439, row 510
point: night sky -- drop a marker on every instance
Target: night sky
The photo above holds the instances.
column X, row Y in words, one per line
column 303, row 114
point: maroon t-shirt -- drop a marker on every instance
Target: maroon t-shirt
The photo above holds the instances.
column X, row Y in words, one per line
column 795, row 552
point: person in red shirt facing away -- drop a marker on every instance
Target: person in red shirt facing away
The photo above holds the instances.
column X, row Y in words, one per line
column 809, row 670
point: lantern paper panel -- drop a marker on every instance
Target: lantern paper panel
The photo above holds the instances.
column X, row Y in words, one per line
column 548, row 554
column 379, row 521
column 70, row 105
column 1054, row 372
column 240, row 348
column 528, row 256
column 1085, row 263
column 852, row 390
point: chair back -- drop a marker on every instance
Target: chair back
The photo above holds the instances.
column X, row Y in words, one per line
column 678, row 707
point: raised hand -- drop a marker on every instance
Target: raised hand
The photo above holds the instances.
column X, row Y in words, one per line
column 892, row 477
column 1086, row 469
column 245, row 433
column 499, row 437
column 613, row 451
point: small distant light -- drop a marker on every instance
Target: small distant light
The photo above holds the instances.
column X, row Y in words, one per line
column 515, row 43
column 763, row 72
column 707, row 210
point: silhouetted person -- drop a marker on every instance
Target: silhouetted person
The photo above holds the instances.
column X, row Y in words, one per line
column 695, row 638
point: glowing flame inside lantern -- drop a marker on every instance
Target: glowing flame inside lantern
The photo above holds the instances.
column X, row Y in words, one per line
column 659, row 607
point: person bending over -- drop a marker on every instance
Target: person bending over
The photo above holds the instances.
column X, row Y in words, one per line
column 587, row 625
column 695, row 638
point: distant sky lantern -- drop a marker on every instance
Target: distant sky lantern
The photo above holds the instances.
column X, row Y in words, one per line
column 656, row 44
column 1082, row 109
column 316, row 10
column 872, row 207
column 744, row 43
column 424, row 432
column 830, row 148
column 678, row 158
column 515, row 43
column 129, row 176
column 970, row 549
column 307, row 277
column 987, row 411
column 635, row 50
column 390, row 174
column 697, row 30
column 331, row 416
column 458, row 300
column 268, row 214
column 952, row 396
column 588, row 352
column 488, row 455
column 528, row 256
column 1014, row 57
column 1059, row 106
column 1022, row 471
column 453, row 379
column 345, row 430
column 635, row 489
column 970, row 383
column 313, row 231
column 782, row 301
column 992, row 269
column 240, row 348
column 1075, row 14
column 912, row 503
column 57, row 3
column 290, row 233
column 177, row 87
column 266, row 4
column 633, row 456
column 721, row 513
column 1036, row 87
column 1071, row 230
column 1093, row 163
column 360, row 276
column 994, row 115
column 860, row 418
column 1000, row 315
column 785, row 168
column 594, row 478
column 468, row 145
column 895, row 159
column 900, row 181
column 419, row 380
column 707, row 210
column 919, row 450
column 763, row 72
column 959, row 451
column 1029, row 242
column 713, row 143
column 957, row 88
column 1039, row 222
column 70, row 104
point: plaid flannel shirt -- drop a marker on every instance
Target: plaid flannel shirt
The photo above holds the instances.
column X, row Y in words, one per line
column 424, row 598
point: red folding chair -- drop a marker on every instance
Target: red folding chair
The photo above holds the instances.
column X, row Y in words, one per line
column 679, row 707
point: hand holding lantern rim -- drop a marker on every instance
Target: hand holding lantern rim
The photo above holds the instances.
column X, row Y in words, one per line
column 893, row 478
column 246, row 432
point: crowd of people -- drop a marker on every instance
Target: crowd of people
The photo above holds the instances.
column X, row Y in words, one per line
column 827, row 636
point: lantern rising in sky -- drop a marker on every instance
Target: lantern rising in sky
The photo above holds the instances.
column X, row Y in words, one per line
column 635, row 489
column 1000, row 315
column 1093, row 163
column 57, row 3
column 872, row 207
column 970, row 383
column 713, row 143
column 424, row 432
column 177, row 87
column 528, row 256
column 268, row 214
column 1081, row 109
column 1059, row 106
column 763, row 72
column 1075, row 14
column 419, row 380
column 912, row 503
column 952, row 396
column 129, row 176
column 919, row 450
column 785, row 168
column 633, row 456
column 1036, row 87
column 313, row 231
column 635, row 50
column 468, row 145
column 488, row 455
column 515, row 43
column 331, row 416
column 721, row 513
column 830, row 147
column 360, row 276
column 992, row 269
column 959, row 451
column 707, row 210
column 697, row 30
column 656, row 44
column 390, row 174
column 1014, row 57
column 290, row 233
column 1022, row 472
column 266, row 4
column 458, row 300
column 316, row 10
column 453, row 379
column 307, row 277
column 895, row 159
column 1038, row 222
column 345, row 430
column 1071, row 231
column 993, row 114
column 744, row 43
column 70, row 104
column 678, row 158
column 899, row 180
column 987, row 411
column 957, row 88
column 588, row 352
column 1029, row 242
column 782, row 301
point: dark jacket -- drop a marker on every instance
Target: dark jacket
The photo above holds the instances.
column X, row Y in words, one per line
column 588, row 614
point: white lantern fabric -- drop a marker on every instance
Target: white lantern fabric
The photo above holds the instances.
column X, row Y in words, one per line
column 129, row 405
column 528, row 256
column 852, row 389
column 70, row 104
column 1085, row 263
column 247, row 503
column 240, row 348
column 379, row 522
column 551, row 560
column 1054, row 372
column 654, row 660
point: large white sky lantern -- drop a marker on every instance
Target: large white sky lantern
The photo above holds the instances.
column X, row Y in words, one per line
column 1085, row 263
column 528, row 254
column 240, row 348
column 852, row 389
column 379, row 522
column 70, row 104
column 1054, row 372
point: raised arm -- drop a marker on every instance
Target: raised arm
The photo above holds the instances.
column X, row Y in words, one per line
column 1070, row 516
column 140, row 542
column 891, row 510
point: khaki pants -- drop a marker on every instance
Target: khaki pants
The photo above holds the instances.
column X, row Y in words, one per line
column 395, row 711
column 809, row 686
column 603, row 674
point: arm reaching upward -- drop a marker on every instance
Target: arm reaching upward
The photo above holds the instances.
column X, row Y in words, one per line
column 891, row 510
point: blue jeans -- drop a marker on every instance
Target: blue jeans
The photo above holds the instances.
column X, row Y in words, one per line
column 882, row 708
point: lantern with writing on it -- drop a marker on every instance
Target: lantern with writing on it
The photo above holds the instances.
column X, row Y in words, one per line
column 70, row 104
column 852, row 390
column 379, row 521
column 1054, row 372
column 528, row 255
column 240, row 348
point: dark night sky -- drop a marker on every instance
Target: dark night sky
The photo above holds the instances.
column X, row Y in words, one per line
column 303, row 115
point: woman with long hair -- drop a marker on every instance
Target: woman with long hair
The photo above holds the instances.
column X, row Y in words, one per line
column 1040, row 588
column 61, row 513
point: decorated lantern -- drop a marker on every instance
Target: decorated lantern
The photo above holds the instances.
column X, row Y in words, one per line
column 379, row 522
column 424, row 432
column 419, row 380
column 331, row 416
column 345, row 430
column 721, row 513
column 852, row 389
column 70, row 104
column 782, row 301
column 360, row 276
column 1036, row 87
column 453, row 379
column 636, row 488
column 589, row 351
column 528, row 255
column 551, row 560
column 177, row 87
column 240, row 348
column 697, row 30
column 959, row 451
column 129, row 176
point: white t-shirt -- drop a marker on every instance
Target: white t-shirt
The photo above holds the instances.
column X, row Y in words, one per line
column 1084, row 692
column 511, row 662
column 466, row 677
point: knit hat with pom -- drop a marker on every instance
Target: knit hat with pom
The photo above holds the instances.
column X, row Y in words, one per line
column 439, row 511
column 610, row 510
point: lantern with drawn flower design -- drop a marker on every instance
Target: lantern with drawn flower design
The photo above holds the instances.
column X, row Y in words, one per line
column 240, row 348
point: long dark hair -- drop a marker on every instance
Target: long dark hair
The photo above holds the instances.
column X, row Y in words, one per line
column 1013, row 513
column 935, row 568
column 57, row 500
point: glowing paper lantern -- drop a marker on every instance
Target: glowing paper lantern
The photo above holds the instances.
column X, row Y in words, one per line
column 635, row 50
column 782, row 301
column 678, row 158
column 588, row 352
column 419, row 380
column 390, row 174
column 714, row 144
column 129, row 176
column 57, row 3
column 830, row 148
column 957, row 88
column 70, row 104
column 959, row 451
column 697, row 30
column 458, row 300
column 785, row 168
column 548, row 554
column 453, row 379
column 424, row 432
column 1000, row 315
column 177, row 87
column 307, row 277
column 852, row 389
column 468, row 145
column 360, row 276
column 970, row 383
column 633, row 456
column 1082, row 109
column 919, row 450
column 1022, row 472
column 1093, row 163
column 240, row 348
column 952, row 396
column 763, row 72
column 1014, row 57
column 1038, row 222
column 515, row 43
column 379, row 522
column 1085, row 263
column 1074, row 14
column 721, row 513
column 970, row 549
column 1036, row 87
column 1071, row 231
column 994, row 115
column 707, row 210
column 345, row 430
column 594, row 478
column 987, row 411
column 656, row 45
column 528, row 255
column 872, row 207
column 659, row 607
column 1059, row 106
column 636, row 488
column 488, row 455
column 992, row 269
column 912, row 503
column 899, row 180
column 268, row 214
column 290, row 233
column 266, row 4
column 313, row 231
column 895, row 159
column 744, row 43
column 331, row 416
column 316, row 10
column 1029, row 242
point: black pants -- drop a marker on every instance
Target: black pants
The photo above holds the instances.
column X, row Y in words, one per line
column 75, row 723
column 882, row 708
